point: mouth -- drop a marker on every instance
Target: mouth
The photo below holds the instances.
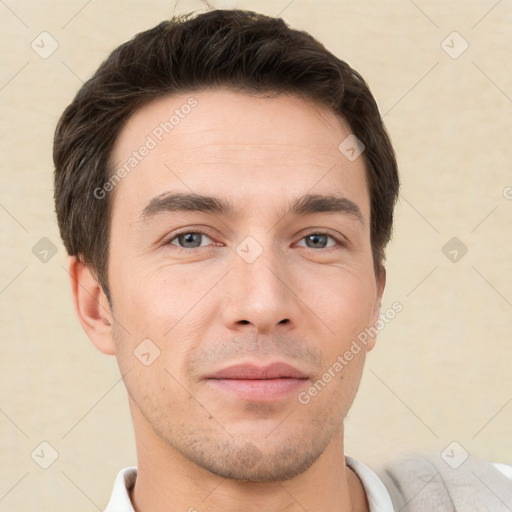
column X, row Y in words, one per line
column 259, row 383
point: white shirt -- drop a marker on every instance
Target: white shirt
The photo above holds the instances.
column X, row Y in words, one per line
column 376, row 493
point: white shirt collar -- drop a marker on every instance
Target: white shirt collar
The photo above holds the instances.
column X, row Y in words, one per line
column 120, row 499
column 378, row 496
column 376, row 492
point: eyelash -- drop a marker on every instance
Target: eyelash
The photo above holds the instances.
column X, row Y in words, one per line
column 339, row 241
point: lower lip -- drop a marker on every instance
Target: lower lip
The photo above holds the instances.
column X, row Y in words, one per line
column 263, row 390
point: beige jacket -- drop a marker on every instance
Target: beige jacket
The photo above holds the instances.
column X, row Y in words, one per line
column 421, row 483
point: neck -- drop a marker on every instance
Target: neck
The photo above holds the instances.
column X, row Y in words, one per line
column 166, row 480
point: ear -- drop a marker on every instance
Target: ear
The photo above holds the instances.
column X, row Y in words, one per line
column 381, row 283
column 91, row 306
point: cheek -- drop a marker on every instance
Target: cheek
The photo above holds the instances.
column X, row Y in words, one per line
column 146, row 297
column 342, row 300
column 166, row 300
column 173, row 306
column 169, row 307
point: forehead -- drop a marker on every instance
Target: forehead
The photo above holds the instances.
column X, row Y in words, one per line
column 225, row 141
column 225, row 116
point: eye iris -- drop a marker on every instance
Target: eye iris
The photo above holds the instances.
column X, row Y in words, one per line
column 193, row 238
column 315, row 239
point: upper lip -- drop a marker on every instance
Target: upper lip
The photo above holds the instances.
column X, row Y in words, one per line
column 251, row 371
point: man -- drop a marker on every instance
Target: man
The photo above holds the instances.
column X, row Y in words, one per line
column 225, row 188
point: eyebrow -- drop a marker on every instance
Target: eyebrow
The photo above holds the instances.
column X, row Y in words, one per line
column 189, row 202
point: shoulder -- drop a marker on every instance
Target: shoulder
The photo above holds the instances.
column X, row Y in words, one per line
column 448, row 482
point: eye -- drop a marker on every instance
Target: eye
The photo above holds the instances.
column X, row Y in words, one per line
column 195, row 239
column 320, row 240
column 189, row 239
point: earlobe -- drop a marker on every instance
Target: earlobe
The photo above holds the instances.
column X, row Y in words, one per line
column 91, row 306
column 381, row 283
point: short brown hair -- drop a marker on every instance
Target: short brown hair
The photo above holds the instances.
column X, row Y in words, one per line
column 244, row 50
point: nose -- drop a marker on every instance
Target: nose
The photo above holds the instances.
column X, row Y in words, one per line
column 260, row 292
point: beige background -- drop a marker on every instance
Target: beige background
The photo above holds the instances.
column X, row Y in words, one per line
column 441, row 368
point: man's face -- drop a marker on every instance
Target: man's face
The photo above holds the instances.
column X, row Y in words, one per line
column 264, row 283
